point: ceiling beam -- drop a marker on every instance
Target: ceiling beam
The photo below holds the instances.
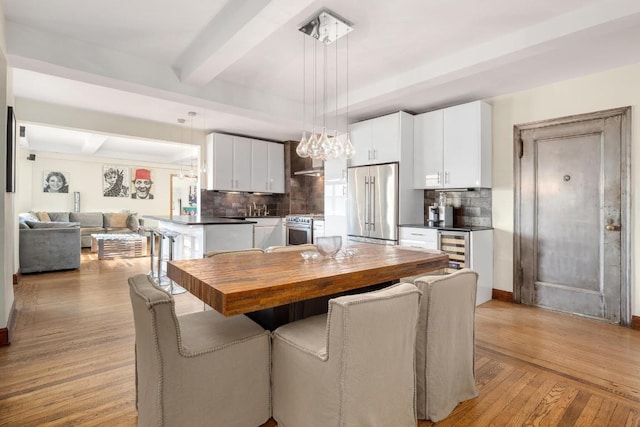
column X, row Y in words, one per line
column 92, row 143
column 239, row 27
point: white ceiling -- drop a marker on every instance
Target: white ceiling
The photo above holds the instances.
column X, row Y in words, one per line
column 238, row 63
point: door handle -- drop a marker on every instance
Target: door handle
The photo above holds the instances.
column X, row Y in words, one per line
column 372, row 200
column 611, row 226
column 366, row 203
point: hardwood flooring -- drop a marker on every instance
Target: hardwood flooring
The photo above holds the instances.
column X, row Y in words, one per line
column 71, row 359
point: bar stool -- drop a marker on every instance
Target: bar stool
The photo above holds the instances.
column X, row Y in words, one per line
column 153, row 274
column 174, row 289
column 161, row 279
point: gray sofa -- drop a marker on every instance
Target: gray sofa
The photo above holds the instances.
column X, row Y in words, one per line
column 49, row 247
column 90, row 222
column 53, row 240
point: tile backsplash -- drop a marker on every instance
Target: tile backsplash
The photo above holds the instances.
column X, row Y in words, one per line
column 470, row 208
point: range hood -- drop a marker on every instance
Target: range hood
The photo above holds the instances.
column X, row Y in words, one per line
column 316, row 169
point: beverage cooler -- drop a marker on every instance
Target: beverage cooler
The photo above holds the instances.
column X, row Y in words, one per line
column 456, row 245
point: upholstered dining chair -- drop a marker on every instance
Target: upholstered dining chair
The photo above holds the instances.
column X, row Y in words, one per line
column 199, row 369
column 445, row 343
column 291, row 248
column 353, row 366
column 411, row 279
column 250, row 251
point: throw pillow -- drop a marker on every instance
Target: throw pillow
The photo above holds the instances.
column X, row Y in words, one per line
column 27, row 216
column 52, row 224
column 43, row 216
column 117, row 220
column 133, row 223
column 59, row 216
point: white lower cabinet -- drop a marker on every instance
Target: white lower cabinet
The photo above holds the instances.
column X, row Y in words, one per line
column 425, row 238
column 466, row 249
column 268, row 232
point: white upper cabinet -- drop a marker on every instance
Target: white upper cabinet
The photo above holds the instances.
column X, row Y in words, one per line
column 259, row 166
column 267, row 167
column 380, row 140
column 219, row 162
column 452, row 147
column 242, row 164
column 228, row 162
column 275, row 176
column 428, row 149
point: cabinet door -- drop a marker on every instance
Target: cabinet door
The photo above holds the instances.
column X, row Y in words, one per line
column 361, row 140
column 428, row 150
column 242, row 163
column 385, row 139
column 462, row 145
column 276, row 167
column 220, row 156
column 259, row 166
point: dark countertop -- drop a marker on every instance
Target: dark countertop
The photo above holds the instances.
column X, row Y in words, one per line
column 197, row 220
column 462, row 228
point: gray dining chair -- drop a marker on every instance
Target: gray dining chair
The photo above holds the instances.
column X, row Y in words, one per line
column 199, row 369
column 292, row 248
column 351, row 367
column 249, row 251
column 445, row 343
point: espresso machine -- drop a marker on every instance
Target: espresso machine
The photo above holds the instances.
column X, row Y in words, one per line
column 441, row 215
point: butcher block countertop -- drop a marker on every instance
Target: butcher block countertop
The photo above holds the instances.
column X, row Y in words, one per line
column 236, row 284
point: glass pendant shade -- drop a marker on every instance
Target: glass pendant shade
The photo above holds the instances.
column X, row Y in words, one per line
column 349, row 151
column 324, row 145
column 313, row 145
column 337, row 148
column 302, row 149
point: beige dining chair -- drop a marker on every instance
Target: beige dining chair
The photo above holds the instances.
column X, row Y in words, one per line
column 411, row 279
column 353, row 366
column 445, row 343
column 249, row 251
column 291, row 248
column 199, row 369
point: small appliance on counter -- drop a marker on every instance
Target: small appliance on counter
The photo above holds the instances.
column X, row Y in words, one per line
column 434, row 214
column 445, row 216
column 441, row 215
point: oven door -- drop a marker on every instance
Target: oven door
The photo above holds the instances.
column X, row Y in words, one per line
column 298, row 235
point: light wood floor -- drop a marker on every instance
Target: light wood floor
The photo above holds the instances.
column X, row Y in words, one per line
column 71, row 359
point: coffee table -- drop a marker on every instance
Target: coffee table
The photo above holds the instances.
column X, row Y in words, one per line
column 125, row 245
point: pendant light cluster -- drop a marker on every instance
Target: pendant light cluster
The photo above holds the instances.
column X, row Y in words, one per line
column 324, row 28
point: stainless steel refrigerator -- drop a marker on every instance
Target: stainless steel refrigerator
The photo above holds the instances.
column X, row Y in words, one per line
column 372, row 214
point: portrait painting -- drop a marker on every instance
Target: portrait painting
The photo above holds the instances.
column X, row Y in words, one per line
column 116, row 181
column 141, row 184
column 55, row 182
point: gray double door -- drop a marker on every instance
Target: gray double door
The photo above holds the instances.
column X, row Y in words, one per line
column 571, row 215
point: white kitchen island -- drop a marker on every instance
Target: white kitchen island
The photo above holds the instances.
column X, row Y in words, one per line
column 199, row 235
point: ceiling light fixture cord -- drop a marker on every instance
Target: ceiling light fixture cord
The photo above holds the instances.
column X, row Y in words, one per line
column 303, row 146
column 325, row 28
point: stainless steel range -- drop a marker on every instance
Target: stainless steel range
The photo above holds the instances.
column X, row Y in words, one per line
column 299, row 228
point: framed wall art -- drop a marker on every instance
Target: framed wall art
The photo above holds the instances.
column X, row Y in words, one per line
column 116, row 181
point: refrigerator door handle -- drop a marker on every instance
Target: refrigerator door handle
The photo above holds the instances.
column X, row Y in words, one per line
column 366, row 204
column 372, row 200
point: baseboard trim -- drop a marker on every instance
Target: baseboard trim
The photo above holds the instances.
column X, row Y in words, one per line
column 4, row 332
column 501, row 295
column 16, row 277
column 635, row 322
